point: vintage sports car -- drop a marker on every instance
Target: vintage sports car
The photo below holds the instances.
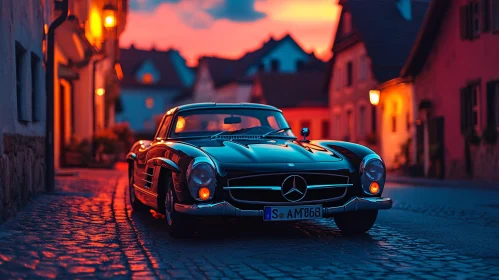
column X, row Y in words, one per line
column 242, row 160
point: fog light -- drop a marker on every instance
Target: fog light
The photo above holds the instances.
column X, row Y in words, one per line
column 204, row 193
column 374, row 188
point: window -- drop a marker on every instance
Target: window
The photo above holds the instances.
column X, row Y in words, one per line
column 495, row 15
column 348, row 132
column 493, row 104
column 363, row 68
column 261, row 67
column 325, row 129
column 149, row 102
column 21, row 101
column 475, row 106
column 496, row 107
column 347, row 23
column 274, row 64
column 362, row 121
column 35, row 82
column 147, row 78
column 470, row 107
column 337, row 79
column 476, row 18
column 164, row 127
column 299, row 65
column 349, row 74
column 408, row 121
column 394, row 118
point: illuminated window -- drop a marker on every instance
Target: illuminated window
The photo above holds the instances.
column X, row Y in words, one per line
column 147, row 78
column 149, row 103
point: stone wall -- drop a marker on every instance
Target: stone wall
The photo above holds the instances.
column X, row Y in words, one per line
column 22, row 172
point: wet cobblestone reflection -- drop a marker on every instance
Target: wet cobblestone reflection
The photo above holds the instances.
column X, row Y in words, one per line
column 87, row 230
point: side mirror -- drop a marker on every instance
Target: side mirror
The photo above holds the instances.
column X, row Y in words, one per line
column 305, row 132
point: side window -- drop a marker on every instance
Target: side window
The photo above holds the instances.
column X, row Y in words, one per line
column 164, row 127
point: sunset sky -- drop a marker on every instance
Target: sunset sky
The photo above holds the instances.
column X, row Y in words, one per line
column 229, row 28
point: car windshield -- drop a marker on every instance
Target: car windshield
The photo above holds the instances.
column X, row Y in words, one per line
column 212, row 122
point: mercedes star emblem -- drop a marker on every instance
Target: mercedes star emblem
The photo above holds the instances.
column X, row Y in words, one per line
column 294, row 188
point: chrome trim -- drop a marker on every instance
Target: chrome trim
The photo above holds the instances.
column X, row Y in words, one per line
column 265, row 188
column 146, row 181
column 163, row 162
column 290, row 203
column 365, row 182
column 226, row 209
column 278, row 188
column 286, row 173
column 138, row 188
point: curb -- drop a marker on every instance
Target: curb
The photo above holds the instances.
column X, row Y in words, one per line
column 444, row 183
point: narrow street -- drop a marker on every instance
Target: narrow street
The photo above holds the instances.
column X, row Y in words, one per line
column 85, row 229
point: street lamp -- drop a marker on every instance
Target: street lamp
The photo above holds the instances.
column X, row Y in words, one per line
column 374, row 96
column 109, row 13
column 100, row 91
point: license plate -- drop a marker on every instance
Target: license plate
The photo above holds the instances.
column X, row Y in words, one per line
column 292, row 213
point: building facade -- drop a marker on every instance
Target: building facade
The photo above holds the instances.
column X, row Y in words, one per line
column 231, row 80
column 372, row 43
column 87, row 71
column 456, row 84
column 22, row 110
column 300, row 96
column 152, row 80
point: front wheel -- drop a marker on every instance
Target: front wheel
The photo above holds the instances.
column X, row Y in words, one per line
column 357, row 222
column 179, row 225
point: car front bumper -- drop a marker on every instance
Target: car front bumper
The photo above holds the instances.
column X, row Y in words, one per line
column 226, row 209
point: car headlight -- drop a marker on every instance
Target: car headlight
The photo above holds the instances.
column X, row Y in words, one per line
column 374, row 169
column 201, row 176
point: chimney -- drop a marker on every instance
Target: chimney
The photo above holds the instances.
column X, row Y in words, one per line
column 404, row 7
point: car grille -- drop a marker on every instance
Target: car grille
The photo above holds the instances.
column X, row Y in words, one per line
column 266, row 188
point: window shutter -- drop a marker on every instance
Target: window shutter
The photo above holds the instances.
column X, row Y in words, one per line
column 485, row 15
column 466, row 110
column 491, row 102
column 464, row 22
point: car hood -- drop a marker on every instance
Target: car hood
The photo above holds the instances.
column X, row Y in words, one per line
column 266, row 151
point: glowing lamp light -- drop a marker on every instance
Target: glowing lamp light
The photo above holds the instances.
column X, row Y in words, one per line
column 180, row 124
column 374, row 96
column 374, row 188
column 100, row 91
column 204, row 193
column 109, row 15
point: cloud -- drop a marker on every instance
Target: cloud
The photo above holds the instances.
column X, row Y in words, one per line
column 148, row 5
column 236, row 10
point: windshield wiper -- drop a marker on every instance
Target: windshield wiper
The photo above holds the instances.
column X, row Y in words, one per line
column 219, row 133
column 276, row 131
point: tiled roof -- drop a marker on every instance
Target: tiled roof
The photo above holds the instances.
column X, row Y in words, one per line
column 224, row 71
column 132, row 59
column 293, row 90
column 387, row 35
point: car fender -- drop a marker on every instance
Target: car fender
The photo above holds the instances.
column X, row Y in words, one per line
column 351, row 151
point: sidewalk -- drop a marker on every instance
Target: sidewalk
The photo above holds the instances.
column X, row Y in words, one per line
column 420, row 181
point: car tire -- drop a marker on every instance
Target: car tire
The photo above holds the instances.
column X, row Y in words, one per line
column 179, row 225
column 357, row 222
column 137, row 205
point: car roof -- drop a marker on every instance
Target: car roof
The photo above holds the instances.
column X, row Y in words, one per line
column 215, row 105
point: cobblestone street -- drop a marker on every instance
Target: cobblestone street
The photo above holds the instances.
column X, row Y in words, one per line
column 85, row 229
